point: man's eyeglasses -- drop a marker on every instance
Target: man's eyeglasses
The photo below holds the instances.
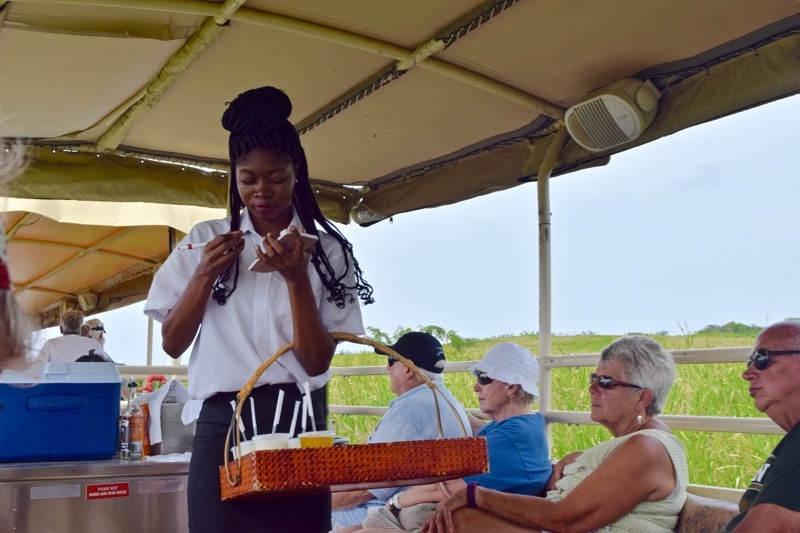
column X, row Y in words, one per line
column 607, row 382
column 483, row 379
column 761, row 357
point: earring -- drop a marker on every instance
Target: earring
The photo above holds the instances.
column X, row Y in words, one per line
column 639, row 419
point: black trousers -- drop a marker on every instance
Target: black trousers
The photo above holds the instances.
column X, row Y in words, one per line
column 268, row 514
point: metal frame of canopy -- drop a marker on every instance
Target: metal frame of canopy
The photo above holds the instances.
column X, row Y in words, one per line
column 400, row 108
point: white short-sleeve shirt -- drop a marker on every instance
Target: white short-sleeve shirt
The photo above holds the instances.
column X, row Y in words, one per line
column 235, row 338
column 68, row 348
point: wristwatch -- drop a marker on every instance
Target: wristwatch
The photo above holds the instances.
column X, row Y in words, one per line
column 394, row 504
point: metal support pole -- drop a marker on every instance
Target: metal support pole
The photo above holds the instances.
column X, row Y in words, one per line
column 545, row 326
column 149, row 341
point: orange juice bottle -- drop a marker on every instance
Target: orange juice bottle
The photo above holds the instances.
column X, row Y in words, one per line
column 133, row 418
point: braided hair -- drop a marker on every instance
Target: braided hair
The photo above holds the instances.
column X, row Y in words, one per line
column 259, row 118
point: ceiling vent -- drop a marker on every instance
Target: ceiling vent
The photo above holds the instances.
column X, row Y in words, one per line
column 615, row 115
column 87, row 301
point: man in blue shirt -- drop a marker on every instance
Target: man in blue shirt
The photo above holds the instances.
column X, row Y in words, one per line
column 411, row 416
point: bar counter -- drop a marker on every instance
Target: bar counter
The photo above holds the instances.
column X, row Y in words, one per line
column 94, row 496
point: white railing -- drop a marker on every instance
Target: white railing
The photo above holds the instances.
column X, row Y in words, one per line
column 140, row 372
column 678, row 422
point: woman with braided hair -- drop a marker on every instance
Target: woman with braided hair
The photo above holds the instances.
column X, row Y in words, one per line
column 238, row 318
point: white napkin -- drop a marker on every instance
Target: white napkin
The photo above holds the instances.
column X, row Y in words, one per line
column 170, row 458
column 155, row 399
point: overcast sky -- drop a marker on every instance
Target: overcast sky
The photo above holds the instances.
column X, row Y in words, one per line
column 699, row 228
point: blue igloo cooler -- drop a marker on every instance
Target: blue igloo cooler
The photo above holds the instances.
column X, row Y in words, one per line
column 65, row 411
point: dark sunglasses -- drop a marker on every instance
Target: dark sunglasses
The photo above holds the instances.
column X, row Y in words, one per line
column 99, row 328
column 607, row 382
column 391, row 361
column 761, row 357
column 483, row 379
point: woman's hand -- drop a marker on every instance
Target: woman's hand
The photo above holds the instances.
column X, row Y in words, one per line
column 182, row 321
column 220, row 253
column 558, row 469
column 442, row 519
column 286, row 256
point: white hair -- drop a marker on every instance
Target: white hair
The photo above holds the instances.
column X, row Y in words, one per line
column 98, row 334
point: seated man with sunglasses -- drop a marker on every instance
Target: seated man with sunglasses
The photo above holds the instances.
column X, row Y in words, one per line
column 411, row 416
column 633, row 482
column 772, row 502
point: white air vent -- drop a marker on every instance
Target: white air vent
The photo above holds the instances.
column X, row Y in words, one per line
column 87, row 301
column 615, row 116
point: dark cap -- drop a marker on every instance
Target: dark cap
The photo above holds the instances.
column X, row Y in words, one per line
column 422, row 349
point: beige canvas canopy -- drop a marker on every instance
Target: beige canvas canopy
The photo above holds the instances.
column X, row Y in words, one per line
column 401, row 104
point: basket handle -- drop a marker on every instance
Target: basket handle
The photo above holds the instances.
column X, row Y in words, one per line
column 339, row 336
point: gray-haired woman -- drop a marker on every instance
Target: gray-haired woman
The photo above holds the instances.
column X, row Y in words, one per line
column 633, row 482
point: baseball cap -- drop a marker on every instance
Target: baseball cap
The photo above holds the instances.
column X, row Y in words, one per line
column 510, row 363
column 422, row 349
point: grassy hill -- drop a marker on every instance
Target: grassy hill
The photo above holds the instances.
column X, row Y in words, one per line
column 718, row 459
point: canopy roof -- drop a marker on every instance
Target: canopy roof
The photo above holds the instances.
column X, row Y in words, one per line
column 401, row 105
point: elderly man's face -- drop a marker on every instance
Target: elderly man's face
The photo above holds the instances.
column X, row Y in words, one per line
column 776, row 389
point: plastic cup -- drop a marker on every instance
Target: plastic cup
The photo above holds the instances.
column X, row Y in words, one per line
column 316, row 439
column 271, row 441
column 294, row 443
column 246, row 447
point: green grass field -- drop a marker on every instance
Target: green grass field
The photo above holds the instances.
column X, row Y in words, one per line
column 717, row 459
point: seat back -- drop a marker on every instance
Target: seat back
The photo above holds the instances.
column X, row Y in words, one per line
column 705, row 515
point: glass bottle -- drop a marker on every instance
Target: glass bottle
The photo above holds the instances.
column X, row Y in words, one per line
column 132, row 428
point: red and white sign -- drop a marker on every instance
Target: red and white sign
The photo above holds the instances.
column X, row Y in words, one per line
column 108, row 490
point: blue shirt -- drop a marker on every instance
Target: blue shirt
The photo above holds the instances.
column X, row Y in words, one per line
column 412, row 416
column 519, row 460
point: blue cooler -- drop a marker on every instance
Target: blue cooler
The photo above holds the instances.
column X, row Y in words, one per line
column 71, row 411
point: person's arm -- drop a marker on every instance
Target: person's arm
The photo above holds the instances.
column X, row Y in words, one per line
column 313, row 345
column 769, row 518
column 345, row 500
column 558, row 469
column 182, row 321
column 430, row 493
column 639, row 469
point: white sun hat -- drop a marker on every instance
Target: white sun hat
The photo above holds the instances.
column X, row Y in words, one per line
column 510, row 363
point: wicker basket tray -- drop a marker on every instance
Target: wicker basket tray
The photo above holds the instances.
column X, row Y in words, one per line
column 355, row 466
column 352, row 466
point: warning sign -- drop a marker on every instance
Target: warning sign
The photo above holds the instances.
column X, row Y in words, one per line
column 107, row 490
